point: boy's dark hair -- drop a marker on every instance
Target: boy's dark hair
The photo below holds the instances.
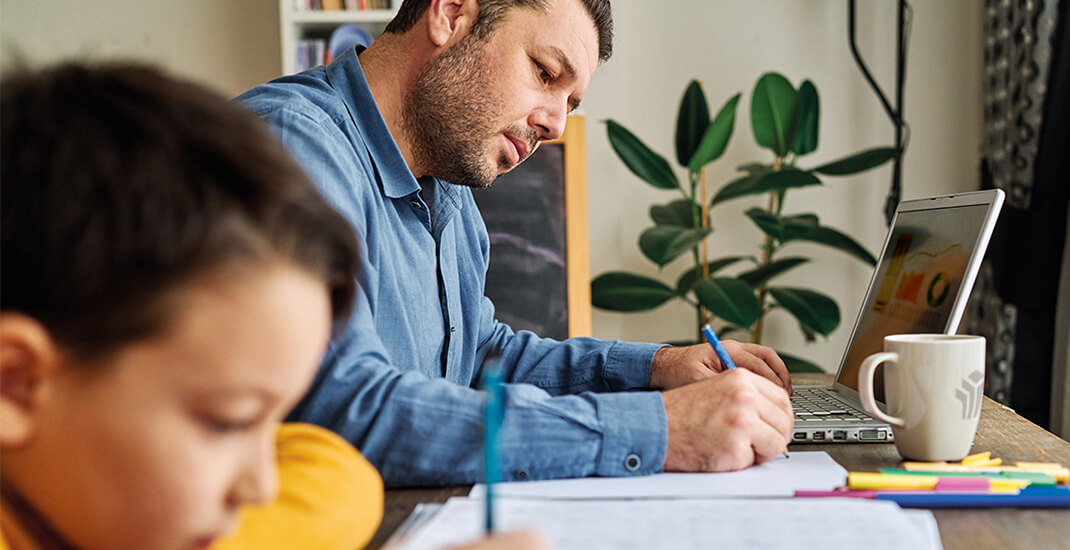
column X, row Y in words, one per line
column 491, row 12
column 121, row 184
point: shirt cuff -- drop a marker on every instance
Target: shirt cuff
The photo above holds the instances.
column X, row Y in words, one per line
column 628, row 365
column 635, row 433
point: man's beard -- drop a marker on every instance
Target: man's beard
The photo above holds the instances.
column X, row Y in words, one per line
column 448, row 118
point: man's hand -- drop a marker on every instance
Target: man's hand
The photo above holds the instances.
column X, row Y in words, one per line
column 676, row 366
column 726, row 422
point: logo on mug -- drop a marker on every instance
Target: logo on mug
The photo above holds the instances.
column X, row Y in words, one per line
column 970, row 394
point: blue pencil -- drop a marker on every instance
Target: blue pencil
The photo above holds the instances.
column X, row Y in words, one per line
column 718, row 348
column 491, row 381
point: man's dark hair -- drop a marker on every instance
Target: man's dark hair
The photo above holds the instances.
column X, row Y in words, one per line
column 491, row 12
column 121, row 185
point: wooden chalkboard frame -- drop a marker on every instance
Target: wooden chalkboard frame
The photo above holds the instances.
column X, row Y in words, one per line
column 577, row 245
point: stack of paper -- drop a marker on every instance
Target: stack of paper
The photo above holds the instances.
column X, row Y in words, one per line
column 776, row 524
column 726, row 510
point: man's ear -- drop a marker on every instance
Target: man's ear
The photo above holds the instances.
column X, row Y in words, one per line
column 450, row 20
column 27, row 356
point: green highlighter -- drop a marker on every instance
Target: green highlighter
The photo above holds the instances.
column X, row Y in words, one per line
column 1034, row 478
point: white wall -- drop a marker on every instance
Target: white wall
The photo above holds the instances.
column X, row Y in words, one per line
column 728, row 45
column 233, row 45
column 230, row 45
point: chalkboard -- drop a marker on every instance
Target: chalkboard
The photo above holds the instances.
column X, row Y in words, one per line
column 536, row 216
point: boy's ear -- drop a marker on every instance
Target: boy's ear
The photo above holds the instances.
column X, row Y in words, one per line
column 450, row 20
column 27, row 355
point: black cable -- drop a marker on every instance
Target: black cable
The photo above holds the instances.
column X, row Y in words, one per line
column 904, row 23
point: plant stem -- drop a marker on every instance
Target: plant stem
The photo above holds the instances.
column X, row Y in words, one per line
column 767, row 256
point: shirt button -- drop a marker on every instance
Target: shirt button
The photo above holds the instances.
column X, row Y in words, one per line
column 632, row 462
column 453, row 329
column 415, row 204
column 521, row 474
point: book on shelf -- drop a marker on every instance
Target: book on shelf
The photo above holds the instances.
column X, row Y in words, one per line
column 338, row 5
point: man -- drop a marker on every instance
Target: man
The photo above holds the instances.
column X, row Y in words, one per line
column 455, row 93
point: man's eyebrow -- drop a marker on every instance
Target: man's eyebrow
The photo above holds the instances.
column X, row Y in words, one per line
column 566, row 65
column 570, row 70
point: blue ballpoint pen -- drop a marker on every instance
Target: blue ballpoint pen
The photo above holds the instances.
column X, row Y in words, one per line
column 493, row 410
column 715, row 343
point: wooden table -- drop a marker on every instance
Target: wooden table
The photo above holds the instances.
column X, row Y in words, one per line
column 1001, row 430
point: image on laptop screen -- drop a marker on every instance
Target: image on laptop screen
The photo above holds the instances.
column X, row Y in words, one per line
column 918, row 280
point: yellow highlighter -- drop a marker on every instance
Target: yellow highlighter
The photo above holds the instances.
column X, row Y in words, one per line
column 1058, row 471
column 979, row 457
column 883, row 482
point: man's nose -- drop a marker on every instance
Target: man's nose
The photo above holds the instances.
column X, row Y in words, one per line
column 258, row 479
column 549, row 119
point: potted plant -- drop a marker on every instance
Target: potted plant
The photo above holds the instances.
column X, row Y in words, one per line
column 784, row 120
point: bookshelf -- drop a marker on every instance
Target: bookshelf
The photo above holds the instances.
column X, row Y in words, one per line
column 296, row 25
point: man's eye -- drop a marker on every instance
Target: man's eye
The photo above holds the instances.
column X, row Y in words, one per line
column 544, row 75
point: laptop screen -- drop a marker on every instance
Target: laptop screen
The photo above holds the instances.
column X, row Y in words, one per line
column 918, row 281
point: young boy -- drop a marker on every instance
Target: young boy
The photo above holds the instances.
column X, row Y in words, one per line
column 169, row 284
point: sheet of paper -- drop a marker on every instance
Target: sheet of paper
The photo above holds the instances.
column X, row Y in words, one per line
column 776, row 524
column 780, row 477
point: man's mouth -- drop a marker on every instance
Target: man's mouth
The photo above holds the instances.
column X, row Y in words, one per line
column 520, row 148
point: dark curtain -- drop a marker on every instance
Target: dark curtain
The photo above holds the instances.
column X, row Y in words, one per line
column 1027, row 134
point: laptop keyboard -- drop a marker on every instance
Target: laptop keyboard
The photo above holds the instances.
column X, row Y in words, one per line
column 816, row 405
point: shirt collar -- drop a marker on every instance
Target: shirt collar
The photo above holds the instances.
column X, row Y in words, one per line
column 347, row 78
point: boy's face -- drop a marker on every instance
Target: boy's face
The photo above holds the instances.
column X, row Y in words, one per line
column 481, row 107
column 160, row 446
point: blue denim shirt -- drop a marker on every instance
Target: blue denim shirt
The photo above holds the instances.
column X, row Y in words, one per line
column 399, row 382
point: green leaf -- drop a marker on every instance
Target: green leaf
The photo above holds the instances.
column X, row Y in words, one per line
column 797, row 364
column 758, row 276
column 755, row 168
column 662, row 244
column 808, row 334
column 677, row 213
column 715, row 140
column 766, row 221
column 807, row 115
column 620, row 291
column 835, row 239
column 687, row 280
column 730, row 299
column 648, row 165
column 858, row 162
column 786, row 228
column 691, row 122
column 815, row 311
column 757, row 184
column 797, row 226
column 772, row 112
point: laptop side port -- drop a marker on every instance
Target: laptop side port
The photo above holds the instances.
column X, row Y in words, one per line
column 799, row 436
column 819, row 436
column 870, row 435
column 839, row 435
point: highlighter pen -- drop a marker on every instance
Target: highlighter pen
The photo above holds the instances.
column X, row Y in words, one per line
column 491, row 381
column 722, row 354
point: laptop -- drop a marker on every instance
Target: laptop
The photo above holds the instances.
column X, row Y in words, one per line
column 921, row 284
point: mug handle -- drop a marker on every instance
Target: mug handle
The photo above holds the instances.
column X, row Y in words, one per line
column 865, row 386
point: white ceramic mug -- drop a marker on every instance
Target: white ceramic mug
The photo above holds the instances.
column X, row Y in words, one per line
column 934, row 386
